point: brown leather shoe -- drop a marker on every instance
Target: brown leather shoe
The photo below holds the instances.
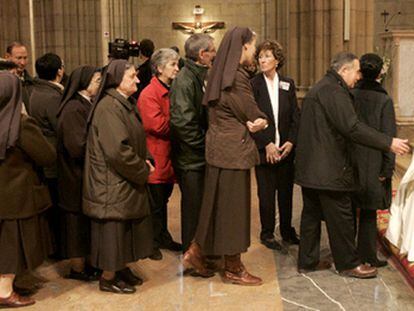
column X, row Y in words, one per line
column 16, row 301
column 241, row 278
column 193, row 259
column 322, row 265
column 361, row 272
column 236, row 273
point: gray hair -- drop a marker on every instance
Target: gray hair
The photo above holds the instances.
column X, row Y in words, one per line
column 161, row 57
column 341, row 59
column 195, row 43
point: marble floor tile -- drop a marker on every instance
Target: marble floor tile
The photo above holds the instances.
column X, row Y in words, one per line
column 165, row 288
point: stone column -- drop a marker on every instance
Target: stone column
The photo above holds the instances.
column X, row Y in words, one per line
column 314, row 33
column 398, row 46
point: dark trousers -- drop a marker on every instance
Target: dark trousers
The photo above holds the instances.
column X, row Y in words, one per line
column 335, row 208
column 191, row 184
column 272, row 178
column 53, row 215
column 159, row 196
column 367, row 235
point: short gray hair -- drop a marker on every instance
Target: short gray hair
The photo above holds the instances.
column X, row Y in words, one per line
column 195, row 43
column 161, row 57
column 341, row 59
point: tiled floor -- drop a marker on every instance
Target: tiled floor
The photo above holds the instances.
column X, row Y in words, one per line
column 283, row 288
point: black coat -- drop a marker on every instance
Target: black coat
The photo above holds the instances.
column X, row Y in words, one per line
column 328, row 127
column 44, row 106
column 288, row 114
column 375, row 108
column 71, row 148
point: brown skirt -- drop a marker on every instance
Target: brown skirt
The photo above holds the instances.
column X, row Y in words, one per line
column 224, row 223
column 24, row 244
column 116, row 243
column 75, row 235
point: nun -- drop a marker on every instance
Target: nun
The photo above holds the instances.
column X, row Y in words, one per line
column 82, row 86
column 24, row 232
column 117, row 166
column 224, row 223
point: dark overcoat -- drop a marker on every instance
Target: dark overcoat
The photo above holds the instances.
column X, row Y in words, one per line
column 375, row 108
column 44, row 106
column 328, row 127
column 71, row 146
column 115, row 163
column 22, row 193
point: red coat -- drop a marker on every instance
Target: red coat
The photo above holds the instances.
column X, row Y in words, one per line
column 154, row 107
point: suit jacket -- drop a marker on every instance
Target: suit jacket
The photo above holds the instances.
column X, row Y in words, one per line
column 288, row 118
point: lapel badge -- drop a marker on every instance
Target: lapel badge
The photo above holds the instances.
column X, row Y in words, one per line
column 284, row 85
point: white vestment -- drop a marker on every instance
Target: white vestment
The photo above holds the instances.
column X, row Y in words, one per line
column 400, row 230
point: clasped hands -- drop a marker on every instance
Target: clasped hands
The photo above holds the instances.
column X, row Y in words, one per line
column 275, row 154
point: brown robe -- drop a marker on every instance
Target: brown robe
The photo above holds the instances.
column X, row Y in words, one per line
column 224, row 223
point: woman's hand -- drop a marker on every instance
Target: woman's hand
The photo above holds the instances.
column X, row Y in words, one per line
column 150, row 166
column 272, row 154
column 285, row 149
column 258, row 125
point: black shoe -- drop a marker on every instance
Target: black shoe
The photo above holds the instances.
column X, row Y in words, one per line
column 156, row 255
column 273, row 244
column 128, row 277
column 80, row 276
column 292, row 240
column 116, row 286
column 172, row 246
column 378, row 263
column 94, row 273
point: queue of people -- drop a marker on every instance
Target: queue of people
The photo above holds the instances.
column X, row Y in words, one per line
column 104, row 203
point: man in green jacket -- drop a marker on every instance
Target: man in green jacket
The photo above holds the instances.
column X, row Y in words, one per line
column 188, row 128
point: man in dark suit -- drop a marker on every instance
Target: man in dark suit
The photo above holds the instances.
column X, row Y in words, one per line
column 276, row 97
column 323, row 167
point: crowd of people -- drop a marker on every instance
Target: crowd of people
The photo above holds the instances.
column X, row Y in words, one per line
column 88, row 161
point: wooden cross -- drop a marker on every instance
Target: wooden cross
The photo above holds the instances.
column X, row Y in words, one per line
column 198, row 26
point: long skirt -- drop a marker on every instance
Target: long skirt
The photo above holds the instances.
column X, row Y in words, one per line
column 116, row 243
column 75, row 235
column 24, row 244
column 224, row 223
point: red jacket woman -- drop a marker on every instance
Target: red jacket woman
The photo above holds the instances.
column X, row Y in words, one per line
column 154, row 106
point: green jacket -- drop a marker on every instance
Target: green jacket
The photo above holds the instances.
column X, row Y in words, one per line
column 115, row 172
column 188, row 123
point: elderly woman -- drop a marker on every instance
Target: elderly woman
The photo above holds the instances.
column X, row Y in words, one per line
column 24, row 234
column 116, row 172
column 82, row 86
column 224, row 225
column 154, row 107
column 375, row 168
column 276, row 97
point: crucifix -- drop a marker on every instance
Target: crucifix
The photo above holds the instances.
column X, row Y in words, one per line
column 385, row 15
column 198, row 26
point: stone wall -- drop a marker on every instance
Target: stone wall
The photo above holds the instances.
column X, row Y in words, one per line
column 403, row 21
column 155, row 18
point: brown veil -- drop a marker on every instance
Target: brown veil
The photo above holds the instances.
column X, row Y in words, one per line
column 10, row 111
column 226, row 63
